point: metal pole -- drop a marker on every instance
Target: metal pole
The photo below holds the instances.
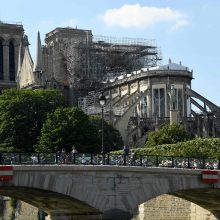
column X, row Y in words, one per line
column 102, row 131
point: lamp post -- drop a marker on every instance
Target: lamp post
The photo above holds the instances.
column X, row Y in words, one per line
column 102, row 100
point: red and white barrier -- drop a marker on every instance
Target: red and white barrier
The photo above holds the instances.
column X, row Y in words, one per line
column 209, row 176
column 6, row 173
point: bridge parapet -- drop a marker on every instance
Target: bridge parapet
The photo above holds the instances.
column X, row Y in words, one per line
column 130, row 160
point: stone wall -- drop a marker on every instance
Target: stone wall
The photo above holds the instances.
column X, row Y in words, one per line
column 22, row 211
column 198, row 213
column 166, row 207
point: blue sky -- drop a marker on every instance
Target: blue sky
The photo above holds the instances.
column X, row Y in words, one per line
column 186, row 30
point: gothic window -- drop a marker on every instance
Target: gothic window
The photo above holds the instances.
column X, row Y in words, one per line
column 11, row 61
column 1, row 61
column 159, row 102
column 162, row 102
column 144, row 106
column 178, row 95
column 180, row 101
column 156, row 102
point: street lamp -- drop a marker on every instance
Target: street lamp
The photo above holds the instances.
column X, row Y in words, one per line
column 102, row 101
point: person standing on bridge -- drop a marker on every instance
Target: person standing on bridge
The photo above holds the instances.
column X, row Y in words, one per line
column 73, row 153
column 126, row 150
column 63, row 156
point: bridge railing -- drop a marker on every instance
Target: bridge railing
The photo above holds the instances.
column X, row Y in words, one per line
column 109, row 159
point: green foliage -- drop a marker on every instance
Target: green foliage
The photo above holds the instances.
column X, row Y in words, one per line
column 111, row 137
column 71, row 126
column 67, row 127
column 28, row 121
column 22, row 114
column 169, row 134
column 198, row 147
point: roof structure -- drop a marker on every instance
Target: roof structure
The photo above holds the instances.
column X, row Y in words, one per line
column 38, row 65
column 170, row 66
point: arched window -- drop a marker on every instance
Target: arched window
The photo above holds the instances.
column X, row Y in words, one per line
column 159, row 102
column 11, row 61
column 1, row 61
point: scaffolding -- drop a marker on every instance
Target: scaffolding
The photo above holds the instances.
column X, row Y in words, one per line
column 94, row 58
column 90, row 60
column 110, row 57
column 90, row 103
column 124, row 55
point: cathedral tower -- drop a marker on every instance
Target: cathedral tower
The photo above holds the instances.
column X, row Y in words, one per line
column 11, row 37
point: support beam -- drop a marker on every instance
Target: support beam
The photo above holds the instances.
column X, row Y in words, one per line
column 197, row 105
column 210, row 104
column 122, row 123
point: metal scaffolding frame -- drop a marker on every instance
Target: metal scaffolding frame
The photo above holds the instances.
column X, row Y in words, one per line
column 88, row 61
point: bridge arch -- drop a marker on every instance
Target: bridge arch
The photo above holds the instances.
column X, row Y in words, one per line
column 51, row 202
column 190, row 188
column 112, row 190
column 173, row 206
column 208, row 198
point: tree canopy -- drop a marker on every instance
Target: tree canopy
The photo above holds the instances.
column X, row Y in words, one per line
column 111, row 137
column 39, row 120
column 169, row 134
column 71, row 126
column 67, row 127
column 22, row 114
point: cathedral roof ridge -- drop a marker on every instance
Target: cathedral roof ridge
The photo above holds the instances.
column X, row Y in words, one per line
column 11, row 24
column 171, row 66
column 66, row 29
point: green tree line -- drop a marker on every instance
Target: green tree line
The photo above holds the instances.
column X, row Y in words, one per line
column 174, row 140
column 39, row 120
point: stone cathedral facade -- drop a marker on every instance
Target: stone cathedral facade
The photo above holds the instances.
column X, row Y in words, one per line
column 139, row 96
column 11, row 39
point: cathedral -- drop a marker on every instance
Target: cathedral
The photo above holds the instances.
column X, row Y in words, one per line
column 140, row 93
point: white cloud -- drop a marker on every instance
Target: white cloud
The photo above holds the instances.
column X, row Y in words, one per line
column 143, row 16
column 180, row 24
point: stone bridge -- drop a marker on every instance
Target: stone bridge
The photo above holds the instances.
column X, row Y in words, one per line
column 105, row 192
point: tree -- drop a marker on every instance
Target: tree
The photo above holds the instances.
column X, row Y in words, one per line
column 112, row 137
column 169, row 134
column 67, row 127
column 22, row 114
column 71, row 126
